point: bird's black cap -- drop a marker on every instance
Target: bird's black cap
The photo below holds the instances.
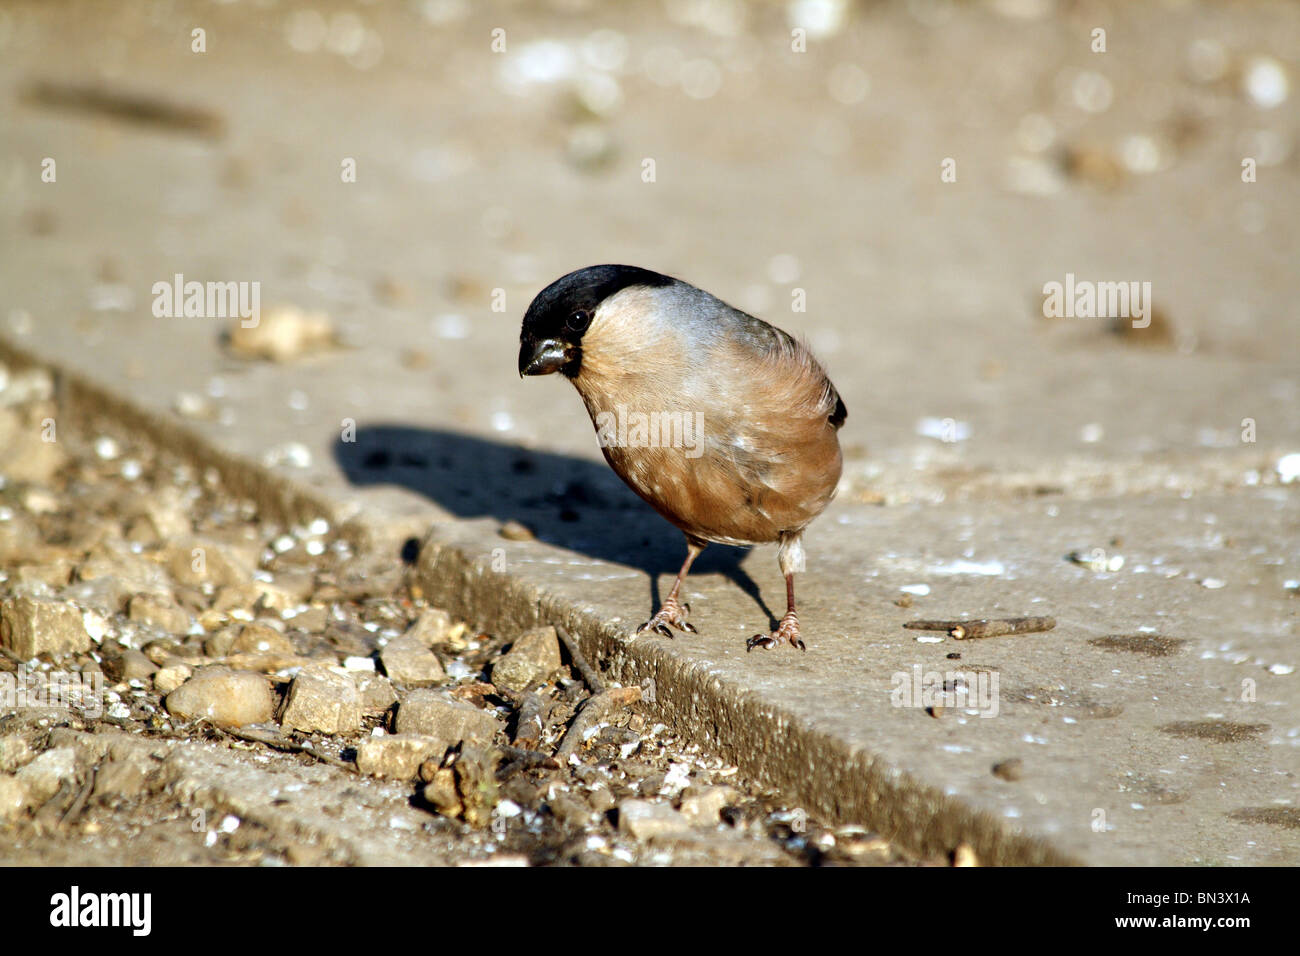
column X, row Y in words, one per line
column 551, row 337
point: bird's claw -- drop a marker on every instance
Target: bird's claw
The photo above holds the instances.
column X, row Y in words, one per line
column 787, row 630
column 672, row 613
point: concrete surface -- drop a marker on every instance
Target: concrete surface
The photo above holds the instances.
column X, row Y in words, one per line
column 924, row 298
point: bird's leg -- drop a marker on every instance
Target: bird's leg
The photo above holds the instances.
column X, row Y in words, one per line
column 791, row 558
column 673, row 611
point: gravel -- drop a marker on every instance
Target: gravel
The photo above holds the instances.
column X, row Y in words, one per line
column 226, row 697
column 225, row 666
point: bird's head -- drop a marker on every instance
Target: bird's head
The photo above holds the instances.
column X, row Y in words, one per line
column 556, row 321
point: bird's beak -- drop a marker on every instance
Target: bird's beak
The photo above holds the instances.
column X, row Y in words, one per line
column 542, row 358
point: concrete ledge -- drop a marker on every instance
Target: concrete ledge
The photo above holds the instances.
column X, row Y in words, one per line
column 815, row 769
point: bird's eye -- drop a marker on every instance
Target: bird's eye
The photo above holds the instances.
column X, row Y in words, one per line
column 579, row 320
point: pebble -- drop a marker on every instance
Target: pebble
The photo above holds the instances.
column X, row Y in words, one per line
column 161, row 613
column 408, row 661
column 441, row 793
column 201, row 561
column 431, row 628
column 168, row 679
column 397, row 756
column 1097, row 560
column 517, row 531
column 119, row 779
column 226, row 697
column 282, row 334
column 377, row 694
column 531, row 660
column 645, row 820
column 570, row 810
column 13, row 797
column 260, row 639
column 130, row 665
column 322, row 700
column 14, row 752
column 24, row 456
column 477, row 784
column 30, row 626
column 703, row 807
column 429, row 713
column 1011, row 770
column 42, row 777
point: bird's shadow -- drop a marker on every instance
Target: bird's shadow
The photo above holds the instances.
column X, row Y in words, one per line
column 571, row 503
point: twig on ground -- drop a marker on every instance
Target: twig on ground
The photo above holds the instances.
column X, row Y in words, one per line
column 969, row 630
column 284, row 744
column 79, row 804
column 591, row 714
column 528, row 721
column 122, row 105
column 580, row 662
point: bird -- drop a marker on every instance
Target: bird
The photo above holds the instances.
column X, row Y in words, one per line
column 724, row 424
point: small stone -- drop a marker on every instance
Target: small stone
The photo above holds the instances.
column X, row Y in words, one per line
column 119, row 779
column 407, row 661
column 13, row 797
column 570, row 810
column 168, row 679
column 128, row 666
column 305, row 854
column 646, row 820
column 516, row 531
column 429, row 713
column 14, row 752
column 219, row 643
column 601, row 798
column 282, row 334
column 20, row 536
column 260, row 639
column 377, row 694
column 203, row 561
column 161, row 652
column 1012, row 769
column 703, row 807
column 313, row 620
column 322, row 699
column 431, row 628
column 163, row 614
column 476, row 781
column 43, row 777
column 442, row 794
column 964, row 855
column 24, row 454
column 532, row 659
column 54, row 574
column 226, row 697
column 166, row 513
column 30, row 626
column 397, row 756
column 125, row 571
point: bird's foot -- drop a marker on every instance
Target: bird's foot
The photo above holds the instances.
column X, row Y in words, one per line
column 788, row 630
column 673, row 612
